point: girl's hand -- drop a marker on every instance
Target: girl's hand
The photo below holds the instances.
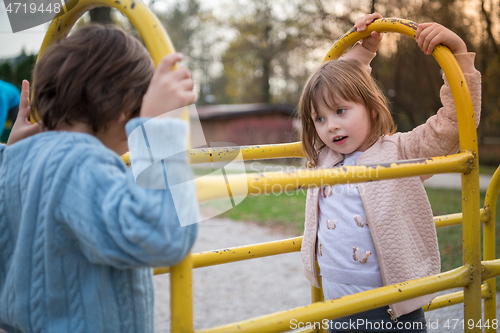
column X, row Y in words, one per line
column 22, row 127
column 431, row 34
column 370, row 43
column 169, row 90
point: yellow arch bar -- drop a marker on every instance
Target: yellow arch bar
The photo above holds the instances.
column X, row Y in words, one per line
column 151, row 30
column 459, row 87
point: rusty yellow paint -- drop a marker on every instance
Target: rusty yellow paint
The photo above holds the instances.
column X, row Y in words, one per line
column 151, row 30
column 456, row 219
column 455, row 298
column 280, row 321
column 401, row 26
column 490, row 201
column 258, row 152
column 227, row 154
column 491, row 269
column 278, row 182
column 228, row 255
column 224, row 256
column 149, row 27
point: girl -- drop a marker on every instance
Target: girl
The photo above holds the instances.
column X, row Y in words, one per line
column 379, row 233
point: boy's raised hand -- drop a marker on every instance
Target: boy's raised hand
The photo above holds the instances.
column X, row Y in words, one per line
column 431, row 34
column 170, row 89
column 22, row 127
column 370, row 43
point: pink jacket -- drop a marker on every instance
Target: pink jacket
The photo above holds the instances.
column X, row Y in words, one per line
column 398, row 210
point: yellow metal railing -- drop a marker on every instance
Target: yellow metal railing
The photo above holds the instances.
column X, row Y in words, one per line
column 469, row 276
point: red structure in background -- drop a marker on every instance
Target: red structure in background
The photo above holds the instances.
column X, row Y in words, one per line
column 249, row 124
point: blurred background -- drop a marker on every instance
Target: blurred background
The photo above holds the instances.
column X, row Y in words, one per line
column 250, row 59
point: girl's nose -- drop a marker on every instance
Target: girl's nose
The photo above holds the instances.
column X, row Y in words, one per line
column 333, row 126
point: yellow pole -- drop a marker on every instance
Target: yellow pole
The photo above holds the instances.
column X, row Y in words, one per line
column 490, row 203
column 317, row 296
column 181, row 296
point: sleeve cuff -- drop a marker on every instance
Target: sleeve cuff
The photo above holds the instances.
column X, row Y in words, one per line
column 466, row 61
column 151, row 140
column 359, row 53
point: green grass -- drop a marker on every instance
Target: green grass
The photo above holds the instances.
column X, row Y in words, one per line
column 487, row 169
column 287, row 211
column 284, row 210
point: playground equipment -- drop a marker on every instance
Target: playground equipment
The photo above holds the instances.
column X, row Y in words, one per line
column 469, row 276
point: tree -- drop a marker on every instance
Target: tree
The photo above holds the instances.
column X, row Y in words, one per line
column 268, row 60
column 101, row 15
column 191, row 30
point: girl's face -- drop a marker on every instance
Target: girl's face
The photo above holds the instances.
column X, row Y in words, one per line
column 344, row 126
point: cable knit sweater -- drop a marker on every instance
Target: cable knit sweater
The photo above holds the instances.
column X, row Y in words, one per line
column 78, row 237
column 398, row 210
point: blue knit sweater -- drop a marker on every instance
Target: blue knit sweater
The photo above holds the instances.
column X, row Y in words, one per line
column 78, row 237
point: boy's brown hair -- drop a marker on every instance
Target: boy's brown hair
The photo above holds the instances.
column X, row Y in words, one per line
column 348, row 80
column 93, row 76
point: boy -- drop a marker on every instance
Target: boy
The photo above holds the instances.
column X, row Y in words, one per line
column 78, row 237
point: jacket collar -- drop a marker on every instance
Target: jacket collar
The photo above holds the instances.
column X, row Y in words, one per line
column 328, row 158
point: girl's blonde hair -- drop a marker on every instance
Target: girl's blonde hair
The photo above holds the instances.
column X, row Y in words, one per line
column 348, row 80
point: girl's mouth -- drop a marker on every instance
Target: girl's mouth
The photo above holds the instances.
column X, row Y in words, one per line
column 339, row 140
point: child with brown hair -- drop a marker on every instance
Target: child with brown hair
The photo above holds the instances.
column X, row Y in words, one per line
column 378, row 233
column 78, row 236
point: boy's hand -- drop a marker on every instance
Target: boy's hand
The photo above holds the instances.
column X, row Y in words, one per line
column 431, row 34
column 22, row 127
column 370, row 43
column 170, row 89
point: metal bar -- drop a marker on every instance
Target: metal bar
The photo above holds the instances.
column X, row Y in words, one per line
column 257, row 152
column 489, row 234
column 227, row 154
column 448, row 220
column 181, row 296
column 318, row 296
column 269, row 182
column 280, row 321
column 491, row 269
column 471, row 233
column 454, row 298
column 317, row 293
column 224, row 256
column 151, row 30
column 456, row 219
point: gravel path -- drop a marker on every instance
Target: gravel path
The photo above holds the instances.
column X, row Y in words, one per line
column 242, row 290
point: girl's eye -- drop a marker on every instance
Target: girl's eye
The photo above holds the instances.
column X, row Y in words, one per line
column 319, row 119
column 341, row 111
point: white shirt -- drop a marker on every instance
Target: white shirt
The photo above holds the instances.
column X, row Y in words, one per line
column 346, row 254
